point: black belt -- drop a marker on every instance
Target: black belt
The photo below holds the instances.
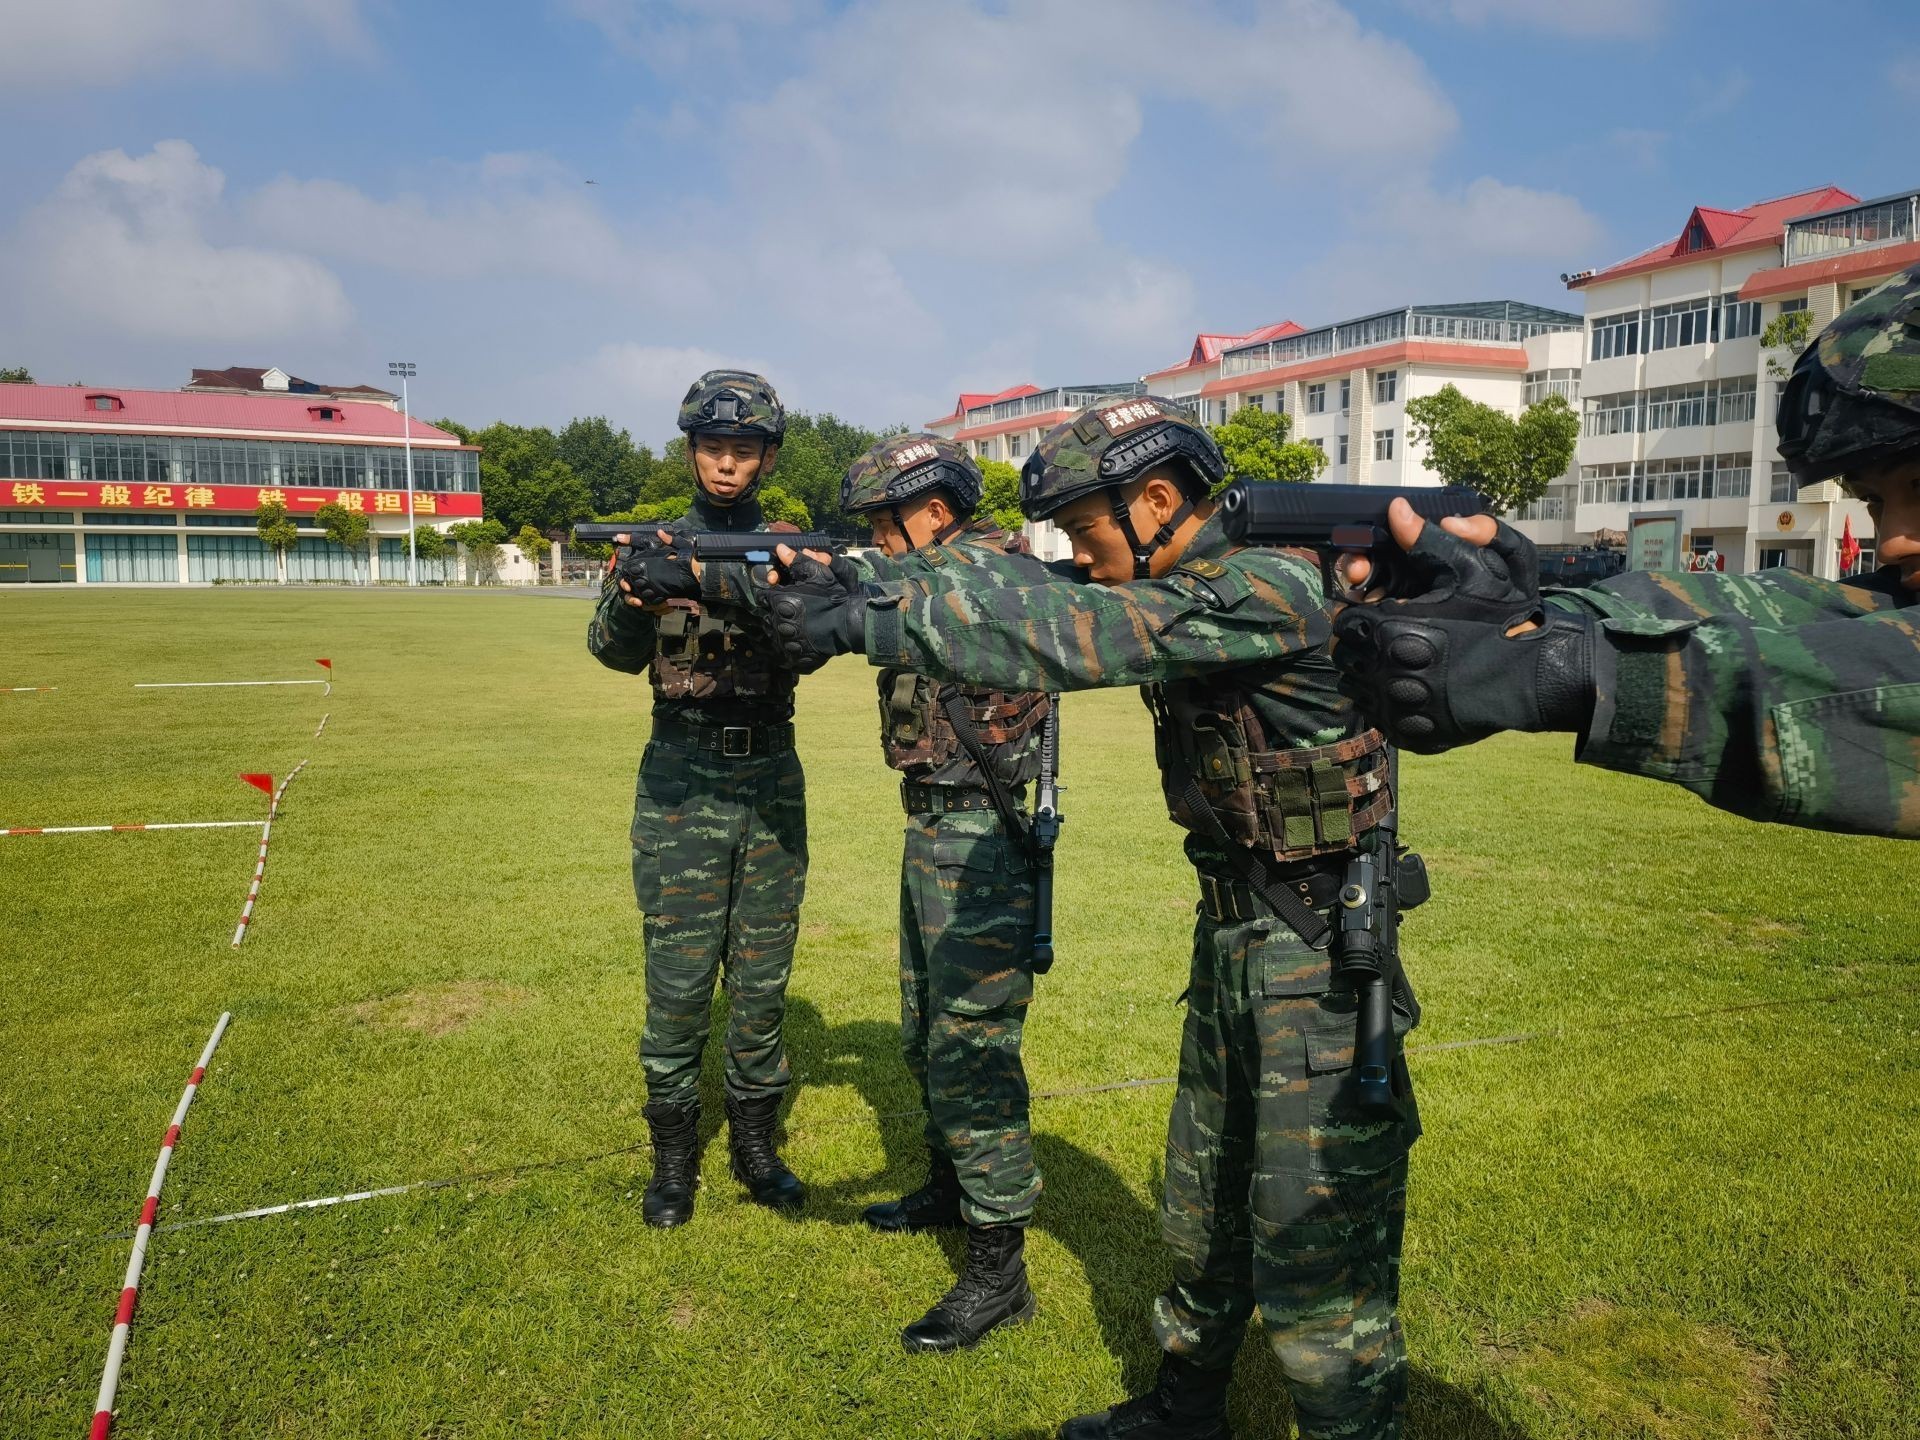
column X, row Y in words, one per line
column 731, row 742
column 923, row 799
column 1225, row 900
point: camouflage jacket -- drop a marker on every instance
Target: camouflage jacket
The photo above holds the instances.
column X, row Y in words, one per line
column 1008, row 721
column 1776, row 696
column 1254, row 619
column 720, row 665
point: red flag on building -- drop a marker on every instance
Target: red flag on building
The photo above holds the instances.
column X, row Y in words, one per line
column 327, row 663
column 1849, row 548
column 262, row 783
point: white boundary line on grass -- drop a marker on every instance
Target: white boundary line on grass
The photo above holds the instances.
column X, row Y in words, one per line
column 27, row 689
column 226, row 684
column 99, row 829
column 130, row 1290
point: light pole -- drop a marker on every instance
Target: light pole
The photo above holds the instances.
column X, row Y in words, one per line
column 405, row 370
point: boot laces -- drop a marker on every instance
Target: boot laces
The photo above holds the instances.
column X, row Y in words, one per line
column 979, row 1277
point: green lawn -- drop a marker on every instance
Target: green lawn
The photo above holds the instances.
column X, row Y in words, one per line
column 1664, row 1216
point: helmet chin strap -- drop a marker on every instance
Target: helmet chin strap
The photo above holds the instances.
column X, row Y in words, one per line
column 1143, row 554
column 940, row 538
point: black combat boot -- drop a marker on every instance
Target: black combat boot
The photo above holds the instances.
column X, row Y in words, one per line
column 756, row 1164
column 934, row 1206
column 991, row 1291
column 1186, row 1403
column 676, row 1162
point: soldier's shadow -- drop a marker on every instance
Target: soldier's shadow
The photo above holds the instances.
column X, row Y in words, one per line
column 1087, row 1208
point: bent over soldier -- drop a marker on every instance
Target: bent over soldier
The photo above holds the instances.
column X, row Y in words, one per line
column 719, row 817
column 965, row 755
column 1283, row 1190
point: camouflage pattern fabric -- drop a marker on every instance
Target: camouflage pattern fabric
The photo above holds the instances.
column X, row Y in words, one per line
column 902, row 467
column 966, row 977
column 1279, row 1194
column 1264, row 1160
column 1775, row 696
column 719, row 871
column 733, row 402
column 1111, row 444
column 1853, row 398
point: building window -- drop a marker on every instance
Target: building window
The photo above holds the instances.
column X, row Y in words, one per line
column 1279, row 402
column 1386, row 387
column 1732, row 476
column 1541, row 383
column 1685, row 323
column 1383, row 444
column 1258, row 402
column 1316, row 399
column 1343, row 449
column 1222, row 407
column 1859, row 293
column 1016, row 446
column 1613, row 414
column 1739, row 319
column 105, row 402
column 1787, row 307
column 1317, row 443
column 1346, row 395
column 1782, row 490
column 1615, row 335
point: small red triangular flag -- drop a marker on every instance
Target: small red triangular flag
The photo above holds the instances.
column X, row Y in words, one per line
column 327, row 663
column 262, row 783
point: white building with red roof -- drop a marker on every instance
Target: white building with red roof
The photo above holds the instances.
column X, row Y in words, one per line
column 105, row 485
column 1677, row 441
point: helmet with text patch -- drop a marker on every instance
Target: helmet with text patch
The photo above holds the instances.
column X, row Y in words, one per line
column 1853, row 399
column 905, row 467
column 1109, row 445
column 733, row 402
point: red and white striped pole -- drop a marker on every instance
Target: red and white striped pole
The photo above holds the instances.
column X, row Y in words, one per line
column 260, row 865
column 130, row 1292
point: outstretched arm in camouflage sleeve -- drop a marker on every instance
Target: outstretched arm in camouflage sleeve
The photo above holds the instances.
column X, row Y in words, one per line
column 1217, row 610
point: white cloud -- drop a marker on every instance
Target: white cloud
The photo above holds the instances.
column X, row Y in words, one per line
column 669, row 34
column 124, row 241
column 1595, row 19
column 1126, row 305
column 1491, row 218
column 87, row 43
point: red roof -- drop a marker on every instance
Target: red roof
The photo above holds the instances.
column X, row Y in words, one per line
column 1828, row 270
column 177, row 410
column 1719, row 231
column 969, row 400
column 1410, row 351
column 1207, row 348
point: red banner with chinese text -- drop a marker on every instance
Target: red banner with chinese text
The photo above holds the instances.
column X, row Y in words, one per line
column 299, row 500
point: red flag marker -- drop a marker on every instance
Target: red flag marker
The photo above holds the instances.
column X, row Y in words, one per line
column 1849, row 548
column 327, row 663
column 262, row 783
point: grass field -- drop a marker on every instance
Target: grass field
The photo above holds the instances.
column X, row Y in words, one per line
column 1684, row 1207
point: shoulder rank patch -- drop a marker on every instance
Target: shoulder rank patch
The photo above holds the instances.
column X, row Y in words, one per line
column 935, row 555
column 1209, row 581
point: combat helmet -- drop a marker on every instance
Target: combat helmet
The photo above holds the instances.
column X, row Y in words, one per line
column 1107, row 445
column 901, row 467
column 1853, row 399
column 733, row 402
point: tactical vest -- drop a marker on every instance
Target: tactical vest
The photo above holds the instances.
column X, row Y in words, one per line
column 702, row 657
column 917, row 736
column 1291, row 804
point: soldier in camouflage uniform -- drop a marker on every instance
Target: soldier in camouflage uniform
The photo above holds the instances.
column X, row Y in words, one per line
column 1776, row 696
column 966, row 896
column 719, row 816
column 1281, row 1192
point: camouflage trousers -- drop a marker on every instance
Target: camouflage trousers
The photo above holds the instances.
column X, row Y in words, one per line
column 719, row 869
column 966, row 977
column 1280, row 1193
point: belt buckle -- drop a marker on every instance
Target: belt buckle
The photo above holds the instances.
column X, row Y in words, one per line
column 727, row 742
column 1210, row 895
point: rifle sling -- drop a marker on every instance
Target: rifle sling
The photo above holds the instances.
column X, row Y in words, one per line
column 1309, row 924
column 1010, row 816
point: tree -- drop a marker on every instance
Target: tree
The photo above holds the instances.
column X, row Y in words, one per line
column 482, row 539
column 1509, row 461
column 429, row 543
column 1256, row 446
column 779, row 505
column 609, row 464
column 274, row 527
column 1788, row 331
column 1001, row 496
column 534, row 546
column 345, row 527
column 16, row 375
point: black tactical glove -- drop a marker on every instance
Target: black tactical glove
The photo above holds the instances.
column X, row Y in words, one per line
column 818, row 611
column 657, row 574
column 1433, row 665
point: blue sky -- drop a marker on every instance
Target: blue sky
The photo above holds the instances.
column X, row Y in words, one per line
column 878, row 203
